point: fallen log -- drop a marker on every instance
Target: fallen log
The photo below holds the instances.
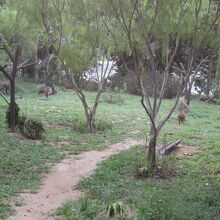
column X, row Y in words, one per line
column 168, row 147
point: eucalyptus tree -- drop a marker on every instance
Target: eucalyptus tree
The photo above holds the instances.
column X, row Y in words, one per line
column 198, row 43
column 150, row 33
column 11, row 45
column 86, row 52
column 217, row 76
column 73, row 33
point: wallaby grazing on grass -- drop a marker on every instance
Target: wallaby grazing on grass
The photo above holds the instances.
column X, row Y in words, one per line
column 181, row 117
column 5, row 85
column 48, row 91
column 40, row 88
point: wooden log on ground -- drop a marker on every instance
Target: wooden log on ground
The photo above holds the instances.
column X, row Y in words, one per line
column 168, row 147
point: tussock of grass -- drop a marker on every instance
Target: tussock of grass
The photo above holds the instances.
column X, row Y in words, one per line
column 79, row 124
column 113, row 98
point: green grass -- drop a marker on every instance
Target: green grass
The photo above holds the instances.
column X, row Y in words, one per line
column 23, row 162
column 192, row 194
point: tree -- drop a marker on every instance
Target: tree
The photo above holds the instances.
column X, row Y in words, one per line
column 73, row 33
column 151, row 32
column 197, row 51
column 217, row 76
column 87, row 49
column 12, row 45
column 17, row 65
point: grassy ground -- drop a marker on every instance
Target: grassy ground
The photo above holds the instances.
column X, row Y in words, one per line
column 23, row 162
column 192, row 192
column 195, row 185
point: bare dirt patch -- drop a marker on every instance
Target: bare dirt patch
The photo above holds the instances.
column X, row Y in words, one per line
column 183, row 150
column 58, row 185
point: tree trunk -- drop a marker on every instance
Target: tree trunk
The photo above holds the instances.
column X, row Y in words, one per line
column 152, row 154
column 36, row 72
column 188, row 94
column 209, row 84
column 217, row 76
column 90, row 122
column 12, row 107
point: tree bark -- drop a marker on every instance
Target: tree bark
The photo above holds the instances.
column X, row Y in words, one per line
column 152, row 153
column 90, row 122
column 188, row 94
column 12, row 107
column 209, row 83
column 217, row 76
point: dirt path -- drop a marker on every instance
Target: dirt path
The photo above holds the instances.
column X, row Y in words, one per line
column 58, row 186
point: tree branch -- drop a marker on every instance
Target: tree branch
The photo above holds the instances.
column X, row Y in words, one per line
column 2, row 69
column 2, row 95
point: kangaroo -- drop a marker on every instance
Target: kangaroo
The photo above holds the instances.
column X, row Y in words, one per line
column 181, row 117
column 5, row 85
column 48, row 91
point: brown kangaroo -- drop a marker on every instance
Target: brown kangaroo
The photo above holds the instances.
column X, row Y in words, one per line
column 48, row 91
column 181, row 117
column 5, row 85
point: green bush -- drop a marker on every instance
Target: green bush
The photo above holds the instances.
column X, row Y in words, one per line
column 30, row 128
column 83, row 209
column 114, row 98
column 79, row 124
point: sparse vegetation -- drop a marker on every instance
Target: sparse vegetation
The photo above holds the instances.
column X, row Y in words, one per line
column 113, row 98
column 116, row 178
column 30, row 128
column 88, row 55
column 79, row 124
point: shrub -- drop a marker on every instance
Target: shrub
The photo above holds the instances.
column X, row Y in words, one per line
column 115, row 209
column 30, row 128
column 102, row 124
column 79, row 124
column 114, row 98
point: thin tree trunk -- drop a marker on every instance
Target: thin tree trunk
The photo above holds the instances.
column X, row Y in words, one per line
column 90, row 122
column 217, row 76
column 152, row 153
column 188, row 95
column 209, row 82
column 152, row 156
column 36, row 73
column 12, row 107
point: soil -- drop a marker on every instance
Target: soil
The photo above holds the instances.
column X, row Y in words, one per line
column 58, row 186
column 183, row 150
